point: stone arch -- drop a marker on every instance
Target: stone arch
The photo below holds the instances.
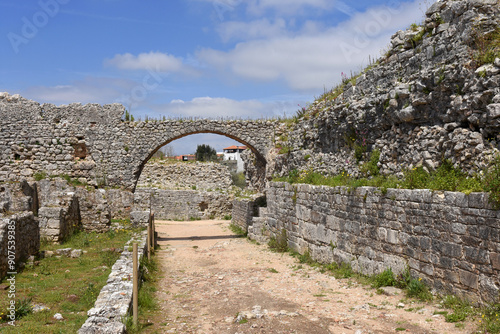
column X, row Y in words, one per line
column 260, row 162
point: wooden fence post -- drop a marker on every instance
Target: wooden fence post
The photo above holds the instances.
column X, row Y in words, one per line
column 135, row 291
column 148, row 239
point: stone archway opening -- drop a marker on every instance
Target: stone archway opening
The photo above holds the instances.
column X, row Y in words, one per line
column 254, row 161
column 187, row 191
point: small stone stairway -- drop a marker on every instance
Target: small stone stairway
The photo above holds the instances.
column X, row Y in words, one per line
column 258, row 230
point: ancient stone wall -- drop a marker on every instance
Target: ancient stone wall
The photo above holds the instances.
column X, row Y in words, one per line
column 96, row 206
column 56, row 223
column 93, row 144
column 426, row 100
column 450, row 240
column 243, row 212
column 164, row 174
column 18, row 196
column 115, row 299
column 21, row 227
column 182, row 204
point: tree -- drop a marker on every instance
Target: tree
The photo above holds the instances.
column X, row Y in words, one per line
column 206, row 153
column 166, row 151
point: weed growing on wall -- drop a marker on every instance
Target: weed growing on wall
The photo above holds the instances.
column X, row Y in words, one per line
column 279, row 243
column 491, row 182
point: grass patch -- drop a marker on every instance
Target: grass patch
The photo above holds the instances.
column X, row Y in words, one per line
column 461, row 309
column 65, row 285
column 445, row 178
column 238, row 230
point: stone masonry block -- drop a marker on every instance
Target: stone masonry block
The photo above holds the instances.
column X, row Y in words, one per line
column 50, row 212
column 468, row 279
column 495, row 260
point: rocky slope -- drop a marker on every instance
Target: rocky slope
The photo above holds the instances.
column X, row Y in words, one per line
column 429, row 98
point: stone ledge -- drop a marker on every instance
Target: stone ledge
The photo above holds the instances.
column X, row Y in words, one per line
column 114, row 300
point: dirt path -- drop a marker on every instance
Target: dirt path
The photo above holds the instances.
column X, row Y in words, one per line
column 214, row 282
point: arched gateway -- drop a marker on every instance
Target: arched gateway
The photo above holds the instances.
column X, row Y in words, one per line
column 92, row 142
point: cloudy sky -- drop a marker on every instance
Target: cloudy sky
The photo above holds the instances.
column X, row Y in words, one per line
column 192, row 58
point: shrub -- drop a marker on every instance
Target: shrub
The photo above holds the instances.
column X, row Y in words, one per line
column 370, row 168
column 385, row 278
column 239, row 179
column 416, row 288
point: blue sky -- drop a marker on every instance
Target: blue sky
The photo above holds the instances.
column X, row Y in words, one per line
column 184, row 58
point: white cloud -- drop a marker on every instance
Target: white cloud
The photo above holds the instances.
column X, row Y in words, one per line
column 313, row 59
column 213, row 107
column 257, row 29
column 287, row 6
column 152, row 61
column 89, row 90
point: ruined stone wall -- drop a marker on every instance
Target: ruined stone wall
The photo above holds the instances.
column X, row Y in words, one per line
column 182, row 204
column 23, row 227
column 93, row 144
column 56, row 223
column 164, row 174
column 424, row 101
column 243, row 212
column 450, row 240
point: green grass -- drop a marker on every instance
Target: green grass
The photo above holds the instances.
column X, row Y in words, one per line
column 148, row 303
column 68, row 286
column 445, row 178
column 237, row 230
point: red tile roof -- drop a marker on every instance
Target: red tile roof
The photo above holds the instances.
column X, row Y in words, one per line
column 234, row 147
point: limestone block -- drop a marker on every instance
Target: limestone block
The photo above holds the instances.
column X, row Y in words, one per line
column 468, row 279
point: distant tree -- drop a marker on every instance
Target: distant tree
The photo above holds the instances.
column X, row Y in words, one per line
column 164, row 152
column 205, row 153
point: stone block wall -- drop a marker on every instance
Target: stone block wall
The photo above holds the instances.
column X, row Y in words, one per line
column 185, row 175
column 96, row 206
column 243, row 212
column 56, row 223
column 183, row 204
column 120, row 203
column 94, row 144
column 26, row 235
column 18, row 196
column 450, row 240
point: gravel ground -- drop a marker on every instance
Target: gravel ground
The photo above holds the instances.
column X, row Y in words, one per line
column 214, row 282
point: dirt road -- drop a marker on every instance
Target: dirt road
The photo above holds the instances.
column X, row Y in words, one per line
column 214, row 282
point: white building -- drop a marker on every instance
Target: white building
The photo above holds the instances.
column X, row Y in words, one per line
column 233, row 153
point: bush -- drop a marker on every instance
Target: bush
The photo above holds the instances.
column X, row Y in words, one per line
column 385, row 278
column 416, row 288
column 370, row 168
column 239, row 180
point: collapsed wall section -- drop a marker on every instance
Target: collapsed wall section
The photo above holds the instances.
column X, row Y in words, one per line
column 450, row 240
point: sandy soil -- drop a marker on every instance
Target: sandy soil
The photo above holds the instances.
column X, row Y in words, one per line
column 214, row 282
